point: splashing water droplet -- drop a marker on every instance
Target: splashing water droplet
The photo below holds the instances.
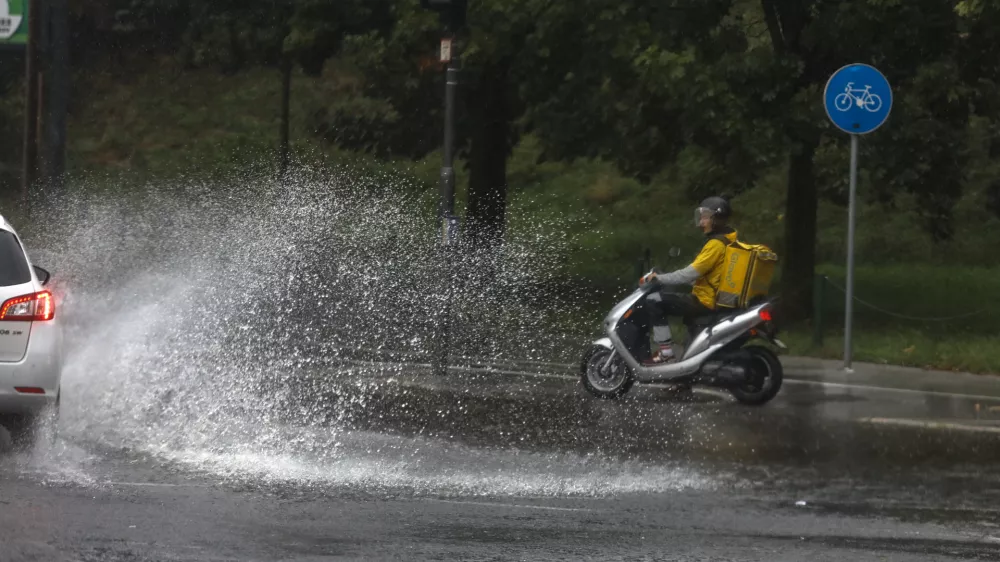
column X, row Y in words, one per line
column 208, row 323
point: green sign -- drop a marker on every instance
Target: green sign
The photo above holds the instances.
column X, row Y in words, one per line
column 13, row 22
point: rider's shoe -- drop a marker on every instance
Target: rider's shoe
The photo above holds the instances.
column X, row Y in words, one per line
column 662, row 356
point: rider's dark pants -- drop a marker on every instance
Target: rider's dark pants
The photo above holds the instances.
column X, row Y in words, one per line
column 660, row 306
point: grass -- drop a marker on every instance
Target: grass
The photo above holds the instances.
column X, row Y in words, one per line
column 165, row 121
column 970, row 353
column 920, row 315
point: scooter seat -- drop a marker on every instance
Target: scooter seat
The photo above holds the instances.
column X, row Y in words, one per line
column 715, row 317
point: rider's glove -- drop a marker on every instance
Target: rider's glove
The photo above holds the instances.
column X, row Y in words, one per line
column 647, row 279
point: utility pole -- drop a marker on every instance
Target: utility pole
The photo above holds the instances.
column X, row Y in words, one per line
column 58, row 97
column 452, row 13
column 31, row 106
column 286, row 65
column 286, row 96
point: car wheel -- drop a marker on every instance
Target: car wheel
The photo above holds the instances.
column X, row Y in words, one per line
column 6, row 440
column 43, row 427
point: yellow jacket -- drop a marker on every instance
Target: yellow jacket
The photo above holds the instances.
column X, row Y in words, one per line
column 710, row 267
column 705, row 272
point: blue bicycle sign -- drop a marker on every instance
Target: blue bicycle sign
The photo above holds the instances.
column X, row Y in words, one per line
column 857, row 99
column 862, row 98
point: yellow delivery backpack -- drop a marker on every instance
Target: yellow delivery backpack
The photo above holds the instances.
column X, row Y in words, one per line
column 747, row 274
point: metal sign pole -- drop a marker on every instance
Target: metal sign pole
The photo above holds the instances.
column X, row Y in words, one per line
column 857, row 99
column 851, row 218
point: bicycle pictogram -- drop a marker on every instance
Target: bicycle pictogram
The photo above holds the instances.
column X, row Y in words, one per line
column 861, row 98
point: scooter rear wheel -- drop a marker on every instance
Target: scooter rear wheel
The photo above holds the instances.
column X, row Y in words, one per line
column 765, row 375
column 608, row 384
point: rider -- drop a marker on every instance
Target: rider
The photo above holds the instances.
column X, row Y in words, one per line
column 704, row 274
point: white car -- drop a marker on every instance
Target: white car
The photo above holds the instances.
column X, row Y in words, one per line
column 31, row 339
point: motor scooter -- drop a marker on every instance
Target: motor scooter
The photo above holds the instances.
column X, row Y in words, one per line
column 729, row 349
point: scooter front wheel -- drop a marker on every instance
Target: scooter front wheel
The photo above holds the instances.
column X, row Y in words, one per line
column 607, row 383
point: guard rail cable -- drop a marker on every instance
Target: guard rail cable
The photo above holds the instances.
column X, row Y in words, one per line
column 905, row 316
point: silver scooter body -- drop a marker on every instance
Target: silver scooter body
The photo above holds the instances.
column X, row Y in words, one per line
column 695, row 356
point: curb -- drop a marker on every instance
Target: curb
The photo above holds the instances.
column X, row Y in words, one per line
column 893, row 377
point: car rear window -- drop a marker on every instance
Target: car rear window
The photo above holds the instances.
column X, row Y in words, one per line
column 13, row 267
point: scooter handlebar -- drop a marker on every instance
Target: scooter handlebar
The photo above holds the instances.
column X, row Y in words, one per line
column 649, row 277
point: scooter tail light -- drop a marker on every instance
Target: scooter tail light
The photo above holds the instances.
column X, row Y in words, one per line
column 765, row 314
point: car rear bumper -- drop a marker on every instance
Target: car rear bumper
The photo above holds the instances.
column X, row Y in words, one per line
column 41, row 368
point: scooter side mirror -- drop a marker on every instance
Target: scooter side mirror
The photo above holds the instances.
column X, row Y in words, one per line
column 674, row 252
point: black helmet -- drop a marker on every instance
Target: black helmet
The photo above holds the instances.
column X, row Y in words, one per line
column 718, row 206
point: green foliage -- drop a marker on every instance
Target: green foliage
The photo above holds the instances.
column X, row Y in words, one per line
column 709, row 94
column 397, row 77
column 168, row 120
column 621, row 115
column 232, row 34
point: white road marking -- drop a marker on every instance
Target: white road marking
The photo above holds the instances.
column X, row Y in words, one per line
column 509, row 505
column 98, row 483
column 891, row 389
column 157, row 485
column 514, row 373
column 788, row 380
column 907, row 422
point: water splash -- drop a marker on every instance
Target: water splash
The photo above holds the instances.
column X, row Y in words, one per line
column 191, row 309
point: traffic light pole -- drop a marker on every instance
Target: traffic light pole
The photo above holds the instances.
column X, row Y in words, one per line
column 446, row 213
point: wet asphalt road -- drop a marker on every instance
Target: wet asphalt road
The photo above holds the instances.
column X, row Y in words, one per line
column 877, row 482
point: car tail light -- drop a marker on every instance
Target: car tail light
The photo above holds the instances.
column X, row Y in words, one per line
column 29, row 390
column 38, row 307
column 765, row 314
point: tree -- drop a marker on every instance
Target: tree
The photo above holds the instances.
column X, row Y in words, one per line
column 714, row 92
column 981, row 68
column 920, row 150
column 735, row 87
column 402, row 98
column 235, row 33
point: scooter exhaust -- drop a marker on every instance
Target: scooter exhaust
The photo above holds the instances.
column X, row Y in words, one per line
column 720, row 374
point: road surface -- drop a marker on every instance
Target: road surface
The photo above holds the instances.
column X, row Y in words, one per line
column 369, row 465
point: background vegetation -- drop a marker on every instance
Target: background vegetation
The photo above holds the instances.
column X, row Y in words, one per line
column 608, row 119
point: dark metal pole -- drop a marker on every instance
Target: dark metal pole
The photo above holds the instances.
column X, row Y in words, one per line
column 286, row 95
column 447, row 205
column 31, row 106
column 447, row 169
column 851, row 219
column 819, row 290
column 58, row 93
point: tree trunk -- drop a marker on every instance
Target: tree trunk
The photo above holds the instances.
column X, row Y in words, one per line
column 786, row 21
column 487, row 206
column 800, row 233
